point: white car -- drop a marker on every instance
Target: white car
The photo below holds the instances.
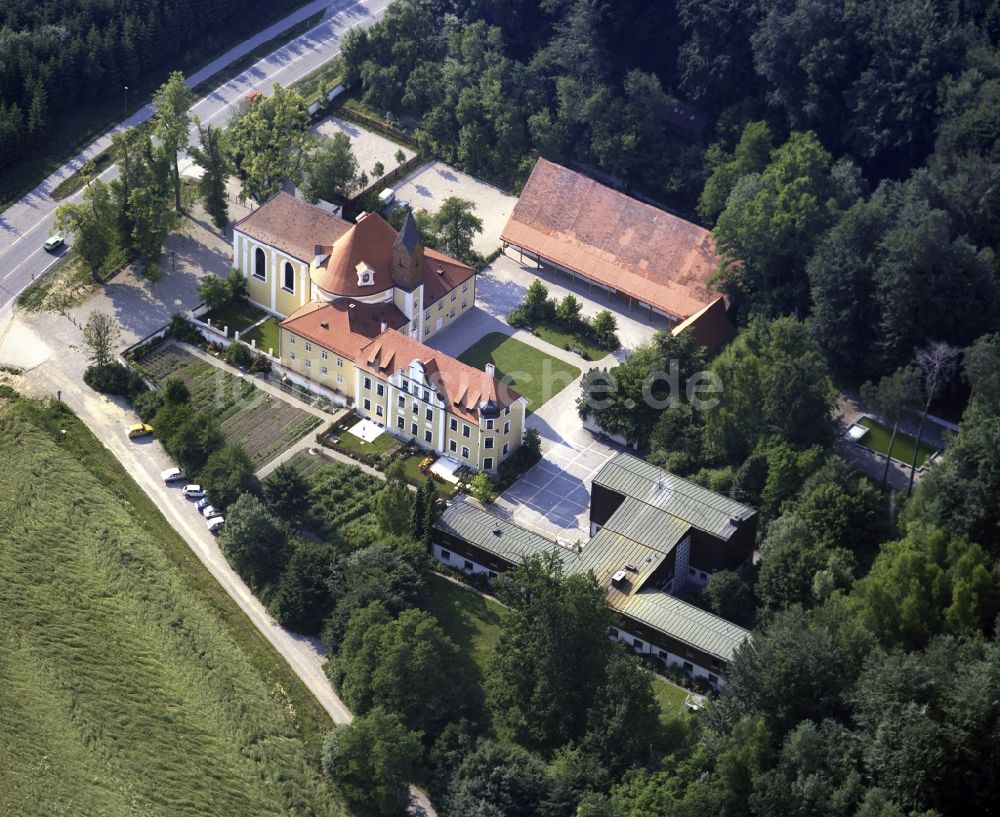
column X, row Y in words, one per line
column 193, row 491
column 210, row 512
column 172, row 475
column 215, row 524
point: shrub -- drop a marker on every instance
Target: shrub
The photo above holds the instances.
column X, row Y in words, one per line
column 174, row 390
column 260, row 364
column 483, row 488
column 147, row 404
column 518, row 317
column 113, row 378
column 182, row 330
column 236, row 354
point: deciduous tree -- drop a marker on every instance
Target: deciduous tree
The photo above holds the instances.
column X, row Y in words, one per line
column 172, row 122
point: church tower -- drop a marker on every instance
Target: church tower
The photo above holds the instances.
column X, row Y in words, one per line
column 408, row 256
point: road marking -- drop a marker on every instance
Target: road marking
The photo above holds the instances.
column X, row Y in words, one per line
column 36, row 276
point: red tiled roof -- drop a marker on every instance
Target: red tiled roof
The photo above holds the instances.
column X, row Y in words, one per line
column 462, row 386
column 638, row 249
column 711, row 326
column 293, row 226
column 370, row 241
column 350, row 325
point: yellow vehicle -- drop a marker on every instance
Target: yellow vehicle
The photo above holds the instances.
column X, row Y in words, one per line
column 139, row 430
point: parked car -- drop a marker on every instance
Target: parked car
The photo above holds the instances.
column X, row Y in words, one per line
column 172, row 475
column 139, row 430
column 54, row 242
column 193, row 491
column 215, row 524
column 202, row 503
column 210, row 512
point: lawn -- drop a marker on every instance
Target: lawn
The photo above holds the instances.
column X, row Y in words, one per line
column 878, row 437
column 266, row 335
column 674, row 716
column 470, row 620
column 131, row 683
column 558, row 336
column 237, row 315
column 353, row 445
column 411, row 469
column 538, row 377
column 264, row 425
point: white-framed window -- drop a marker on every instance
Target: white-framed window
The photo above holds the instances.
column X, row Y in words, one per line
column 288, row 278
column 309, row 346
column 454, row 424
column 488, row 463
column 416, row 407
column 465, row 303
column 440, row 305
column 452, row 445
column 309, row 364
column 445, row 554
column 465, row 287
column 465, row 452
column 506, row 448
column 427, row 435
column 427, row 396
column 400, row 423
column 368, row 383
column 340, row 361
column 466, row 431
column 323, row 370
column 292, row 355
column 427, row 329
column 379, row 389
column 401, row 401
column 325, row 355
column 506, row 427
column 291, row 339
column 413, row 429
column 429, row 415
column 259, row 264
column 489, row 425
column 427, row 313
column 454, row 295
column 340, row 378
column 378, row 411
column 488, row 442
column 368, row 404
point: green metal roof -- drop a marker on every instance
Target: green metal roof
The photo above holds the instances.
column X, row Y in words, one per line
column 699, row 507
column 647, row 524
column 608, row 552
column 684, row 622
column 496, row 535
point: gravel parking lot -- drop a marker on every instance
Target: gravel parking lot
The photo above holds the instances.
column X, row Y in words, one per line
column 432, row 183
column 369, row 147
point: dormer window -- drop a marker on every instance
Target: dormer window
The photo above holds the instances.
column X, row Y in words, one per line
column 366, row 275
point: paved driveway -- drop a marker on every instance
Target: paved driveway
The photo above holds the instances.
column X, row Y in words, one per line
column 430, row 184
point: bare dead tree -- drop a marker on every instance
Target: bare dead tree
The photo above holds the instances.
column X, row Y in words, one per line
column 937, row 362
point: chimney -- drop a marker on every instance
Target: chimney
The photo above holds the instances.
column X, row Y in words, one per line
column 384, row 327
column 350, row 313
column 324, row 324
column 491, row 370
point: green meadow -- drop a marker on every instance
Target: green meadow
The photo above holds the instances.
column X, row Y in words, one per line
column 129, row 682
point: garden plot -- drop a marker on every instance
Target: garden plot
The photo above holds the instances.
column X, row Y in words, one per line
column 264, row 425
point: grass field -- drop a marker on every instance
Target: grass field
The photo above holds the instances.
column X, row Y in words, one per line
column 237, row 316
column 878, row 437
column 263, row 425
column 538, row 377
column 130, row 683
column 266, row 335
column 558, row 336
column 471, row 621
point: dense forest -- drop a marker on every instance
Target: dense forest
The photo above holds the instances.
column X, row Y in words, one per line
column 83, row 52
column 846, row 157
column 846, row 154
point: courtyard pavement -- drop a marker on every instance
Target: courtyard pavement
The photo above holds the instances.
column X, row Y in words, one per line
column 368, row 147
column 430, row 184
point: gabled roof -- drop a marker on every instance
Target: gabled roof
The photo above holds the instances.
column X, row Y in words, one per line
column 496, row 535
column 461, row 386
column 710, row 326
column 684, row 622
column 619, row 242
column 292, row 225
column 350, row 325
column 673, row 495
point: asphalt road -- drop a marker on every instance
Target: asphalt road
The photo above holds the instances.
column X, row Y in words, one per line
column 25, row 225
